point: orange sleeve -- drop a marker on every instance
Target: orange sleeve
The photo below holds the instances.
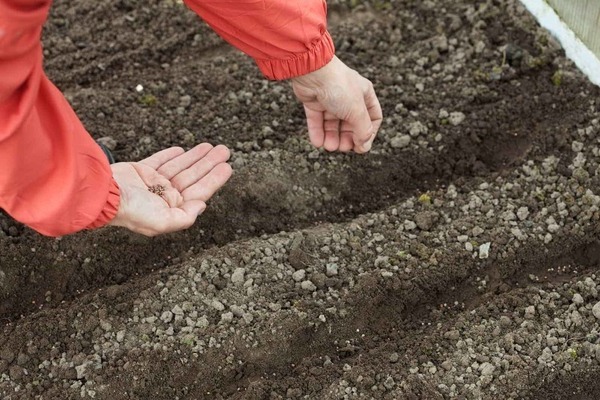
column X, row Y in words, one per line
column 287, row 38
column 53, row 176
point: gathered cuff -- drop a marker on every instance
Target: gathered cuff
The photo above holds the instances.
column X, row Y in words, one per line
column 317, row 57
column 109, row 212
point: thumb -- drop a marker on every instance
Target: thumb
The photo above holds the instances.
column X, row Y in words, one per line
column 362, row 129
column 185, row 216
column 194, row 208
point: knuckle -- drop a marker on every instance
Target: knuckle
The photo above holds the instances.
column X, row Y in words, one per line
column 177, row 182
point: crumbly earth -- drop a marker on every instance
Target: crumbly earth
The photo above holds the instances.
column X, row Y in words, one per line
column 457, row 260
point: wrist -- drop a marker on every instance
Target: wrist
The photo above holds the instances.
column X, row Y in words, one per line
column 321, row 75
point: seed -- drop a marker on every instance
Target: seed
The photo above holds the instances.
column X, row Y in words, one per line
column 157, row 189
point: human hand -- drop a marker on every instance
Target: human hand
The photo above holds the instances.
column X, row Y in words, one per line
column 167, row 191
column 342, row 109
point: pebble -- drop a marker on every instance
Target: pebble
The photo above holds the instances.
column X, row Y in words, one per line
column 484, row 250
column 487, row 369
column 596, row 310
column 476, row 231
column 237, row 310
column 332, row 270
column 227, row 317
column 185, row 101
column 523, row 213
column 217, row 305
column 105, row 325
column 81, row 371
column 529, row 312
column 456, row 118
column 409, row 225
column 389, row 383
column 505, row 321
column 238, row 276
column 553, row 228
column 166, row 316
column 202, row 322
column 308, row 286
column 15, row 372
column 177, row 310
column 576, row 146
column 248, row 318
column 299, row 275
column 577, row 299
column 401, row 141
column 447, row 365
column 416, row 128
column 426, row 219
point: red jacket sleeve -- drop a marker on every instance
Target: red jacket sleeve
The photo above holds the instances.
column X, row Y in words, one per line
column 287, row 38
column 53, row 176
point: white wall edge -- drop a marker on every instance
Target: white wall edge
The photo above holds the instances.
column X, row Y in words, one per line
column 574, row 48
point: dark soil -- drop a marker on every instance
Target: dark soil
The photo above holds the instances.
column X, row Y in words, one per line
column 198, row 89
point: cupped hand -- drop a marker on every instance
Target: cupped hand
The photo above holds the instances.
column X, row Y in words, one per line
column 168, row 190
column 342, row 109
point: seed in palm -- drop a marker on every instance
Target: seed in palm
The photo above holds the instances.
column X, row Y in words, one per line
column 157, row 189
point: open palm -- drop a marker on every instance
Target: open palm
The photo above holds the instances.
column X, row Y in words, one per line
column 182, row 182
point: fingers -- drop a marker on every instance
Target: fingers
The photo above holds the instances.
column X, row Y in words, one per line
column 185, row 216
column 368, row 119
column 331, row 127
column 340, row 91
column 160, row 158
column 346, row 142
column 193, row 209
column 316, row 133
column 206, row 187
column 361, row 127
column 201, row 168
column 180, row 163
column 177, row 219
column 362, row 119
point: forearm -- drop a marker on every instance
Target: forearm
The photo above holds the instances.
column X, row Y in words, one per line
column 54, row 177
column 286, row 38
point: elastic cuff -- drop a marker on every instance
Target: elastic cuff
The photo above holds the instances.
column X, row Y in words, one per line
column 109, row 212
column 317, row 57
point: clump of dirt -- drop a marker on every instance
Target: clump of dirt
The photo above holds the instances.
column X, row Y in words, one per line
column 456, row 260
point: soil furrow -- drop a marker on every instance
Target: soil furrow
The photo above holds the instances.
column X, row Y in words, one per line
column 366, row 304
column 258, row 201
